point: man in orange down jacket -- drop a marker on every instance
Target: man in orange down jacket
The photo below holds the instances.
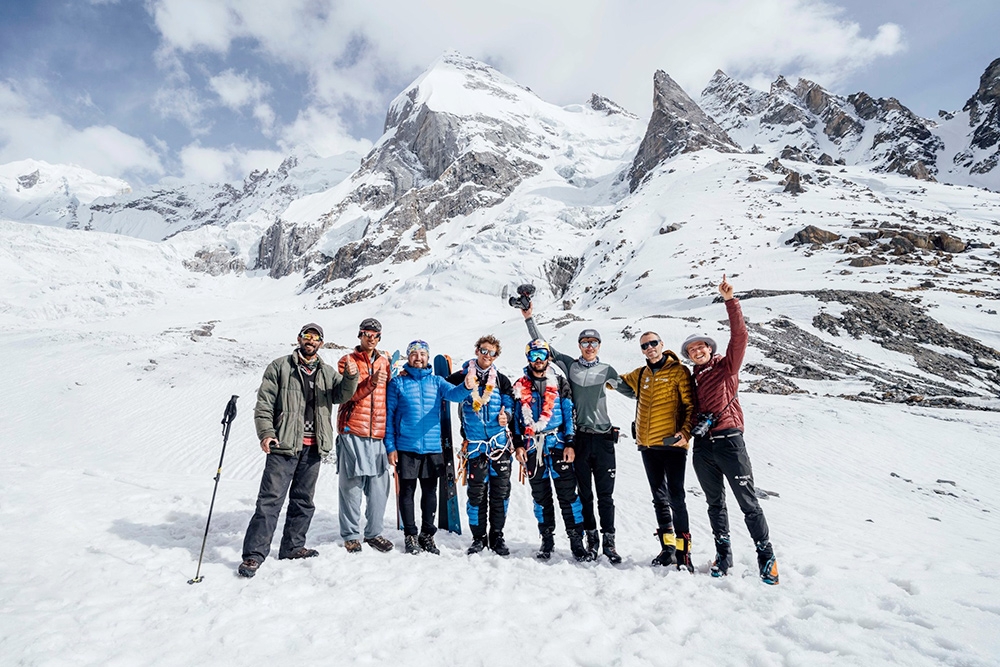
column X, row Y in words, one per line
column 361, row 458
column 663, row 413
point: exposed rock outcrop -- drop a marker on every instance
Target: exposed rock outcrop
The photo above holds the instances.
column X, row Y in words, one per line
column 677, row 125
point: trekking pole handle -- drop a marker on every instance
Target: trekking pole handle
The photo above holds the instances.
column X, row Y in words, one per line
column 230, row 413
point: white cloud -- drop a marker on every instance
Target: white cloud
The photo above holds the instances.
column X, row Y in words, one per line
column 238, row 90
column 563, row 49
column 212, row 165
column 103, row 149
column 323, row 131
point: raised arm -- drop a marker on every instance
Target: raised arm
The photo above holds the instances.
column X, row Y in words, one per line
column 738, row 336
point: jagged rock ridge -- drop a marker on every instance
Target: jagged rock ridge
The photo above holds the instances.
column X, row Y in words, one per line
column 807, row 122
column 677, row 125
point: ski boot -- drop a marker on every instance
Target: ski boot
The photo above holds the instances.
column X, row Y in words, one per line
column 411, row 545
column 593, row 544
column 682, row 554
column 580, row 552
column 723, row 556
column 609, row 549
column 478, row 544
column 426, row 542
column 548, row 544
column 497, row 545
column 767, row 563
column 668, row 545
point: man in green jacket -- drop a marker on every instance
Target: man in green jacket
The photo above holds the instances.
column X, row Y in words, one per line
column 292, row 418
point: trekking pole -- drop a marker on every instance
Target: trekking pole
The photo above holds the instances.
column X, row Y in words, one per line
column 227, row 422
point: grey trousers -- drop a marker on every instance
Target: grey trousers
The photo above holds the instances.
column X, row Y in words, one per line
column 375, row 488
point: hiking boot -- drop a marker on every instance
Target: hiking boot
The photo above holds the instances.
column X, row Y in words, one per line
column 767, row 563
column 410, row 544
column 301, row 552
column 478, row 544
column 548, row 544
column 682, row 554
column 668, row 545
column 497, row 545
column 379, row 543
column 593, row 543
column 248, row 568
column 426, row 541
column 580, row 552
column 609, row 549
column 352, row 546
column 723, row 557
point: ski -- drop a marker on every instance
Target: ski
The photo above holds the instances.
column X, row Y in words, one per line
column 396, row 364
column 449, row 517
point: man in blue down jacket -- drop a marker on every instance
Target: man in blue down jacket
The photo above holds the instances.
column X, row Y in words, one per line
column 413, row 440
column 485, row 415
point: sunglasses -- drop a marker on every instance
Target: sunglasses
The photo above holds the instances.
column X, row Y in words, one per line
column 648, row 344
column 590, row 343
column 537, row 355
column 370, row 334
column 310, row 336
column 487, row 352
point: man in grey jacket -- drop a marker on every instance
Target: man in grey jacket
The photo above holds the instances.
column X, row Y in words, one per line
column 292, row 418
column 594, row 462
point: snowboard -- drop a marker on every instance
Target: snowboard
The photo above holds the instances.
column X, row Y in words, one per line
column 449, row 517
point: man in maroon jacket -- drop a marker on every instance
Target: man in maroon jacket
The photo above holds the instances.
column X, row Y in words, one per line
column 719, row 450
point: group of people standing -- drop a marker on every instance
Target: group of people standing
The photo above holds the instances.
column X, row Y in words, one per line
column 555, row 425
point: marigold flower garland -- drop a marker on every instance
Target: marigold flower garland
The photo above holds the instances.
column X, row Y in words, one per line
column 524, row 395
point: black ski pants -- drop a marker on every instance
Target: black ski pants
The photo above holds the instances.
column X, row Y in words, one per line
column 281, row 471
column 665, row 473
column 428, row 504
column 725, row 456
column 564, row 480
column 489, row 491
column 595, row 460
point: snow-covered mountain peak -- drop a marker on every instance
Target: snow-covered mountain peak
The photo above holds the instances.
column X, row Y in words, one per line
column 458, row 85
column 42, row 193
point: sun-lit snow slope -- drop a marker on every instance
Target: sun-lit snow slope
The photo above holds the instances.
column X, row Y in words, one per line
column 45, row 194
column 883, row 517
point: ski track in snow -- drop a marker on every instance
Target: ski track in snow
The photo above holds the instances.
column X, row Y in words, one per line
column 118, row 364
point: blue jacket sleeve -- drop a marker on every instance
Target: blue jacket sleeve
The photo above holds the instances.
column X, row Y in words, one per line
column 391, row 405
column 456, row 393
column 566, row 403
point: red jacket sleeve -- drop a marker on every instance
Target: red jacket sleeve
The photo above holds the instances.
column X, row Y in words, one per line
column 738, row 336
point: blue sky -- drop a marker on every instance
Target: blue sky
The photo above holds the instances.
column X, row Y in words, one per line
column 206, row 90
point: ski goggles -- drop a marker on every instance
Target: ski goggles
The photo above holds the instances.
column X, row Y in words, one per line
column 417, row 346
column 538, row 355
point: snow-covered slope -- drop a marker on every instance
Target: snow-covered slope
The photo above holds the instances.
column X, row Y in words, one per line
column 882, row 515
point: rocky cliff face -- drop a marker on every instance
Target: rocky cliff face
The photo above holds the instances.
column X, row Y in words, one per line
column 983, row 154
column 809, row 123
column 677, row 125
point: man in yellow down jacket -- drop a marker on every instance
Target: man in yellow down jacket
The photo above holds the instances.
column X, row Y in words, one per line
column 664, row 412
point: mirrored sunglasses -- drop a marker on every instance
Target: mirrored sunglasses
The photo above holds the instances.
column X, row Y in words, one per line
column 590, row 343
column 648, row 344
column 309, row 335
column 370, row 334
column 538, row 355
column 488, row 352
